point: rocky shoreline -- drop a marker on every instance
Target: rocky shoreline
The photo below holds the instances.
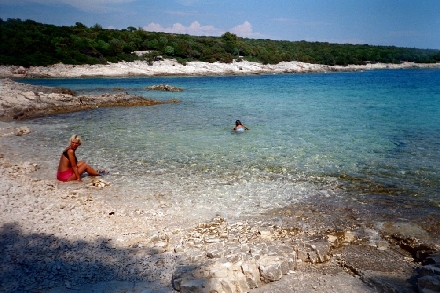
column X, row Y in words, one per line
column 21, row 101
column 57, row 237
column 170, row 67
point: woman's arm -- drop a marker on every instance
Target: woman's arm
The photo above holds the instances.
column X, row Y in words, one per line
column 72, row 160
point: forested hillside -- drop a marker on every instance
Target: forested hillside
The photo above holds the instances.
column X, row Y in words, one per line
column 29, row 43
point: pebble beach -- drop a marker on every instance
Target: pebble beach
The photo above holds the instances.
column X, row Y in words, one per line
column 59, row 237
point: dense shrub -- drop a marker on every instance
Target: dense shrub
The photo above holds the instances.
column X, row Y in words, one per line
column 30, row 43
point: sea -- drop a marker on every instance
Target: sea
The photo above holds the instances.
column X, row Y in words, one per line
column 370, row 136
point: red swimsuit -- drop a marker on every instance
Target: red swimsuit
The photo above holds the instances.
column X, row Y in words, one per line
column 65, row 175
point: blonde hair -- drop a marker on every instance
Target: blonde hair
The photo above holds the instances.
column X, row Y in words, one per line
column 75, row 137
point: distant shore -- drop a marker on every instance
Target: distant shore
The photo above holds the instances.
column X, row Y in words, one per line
column 170, row 67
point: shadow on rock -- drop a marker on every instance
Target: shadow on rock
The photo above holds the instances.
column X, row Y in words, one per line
column 41, row 262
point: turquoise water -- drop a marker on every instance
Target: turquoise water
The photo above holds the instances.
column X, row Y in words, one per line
column 336, row 134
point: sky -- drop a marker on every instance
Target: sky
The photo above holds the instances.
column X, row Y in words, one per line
column 400, row 23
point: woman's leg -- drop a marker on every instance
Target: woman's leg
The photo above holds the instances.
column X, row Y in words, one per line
column 83, row 167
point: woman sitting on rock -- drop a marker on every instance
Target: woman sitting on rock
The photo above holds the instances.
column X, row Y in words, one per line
column 69, row 168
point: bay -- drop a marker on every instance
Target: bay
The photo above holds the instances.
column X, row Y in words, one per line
column 371, row 134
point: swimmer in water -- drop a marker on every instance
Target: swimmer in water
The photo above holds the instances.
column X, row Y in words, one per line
column 239, row 127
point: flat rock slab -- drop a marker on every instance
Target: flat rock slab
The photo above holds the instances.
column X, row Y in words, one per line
column 21, row 101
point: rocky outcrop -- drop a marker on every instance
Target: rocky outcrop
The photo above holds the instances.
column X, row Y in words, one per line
column 428, row 279
column 240, row 257
column 429, row 275
column 164, row 87
column 20, row 101
column 231, row 257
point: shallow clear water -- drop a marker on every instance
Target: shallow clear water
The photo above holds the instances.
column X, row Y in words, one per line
column 337, row 134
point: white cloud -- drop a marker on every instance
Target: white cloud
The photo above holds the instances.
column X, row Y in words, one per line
column 245, row 30
column 194, row 29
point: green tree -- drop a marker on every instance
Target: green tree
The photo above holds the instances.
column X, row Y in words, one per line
column 169, row 50
column 31, row 43
column 230, row 40
column 96, row 27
